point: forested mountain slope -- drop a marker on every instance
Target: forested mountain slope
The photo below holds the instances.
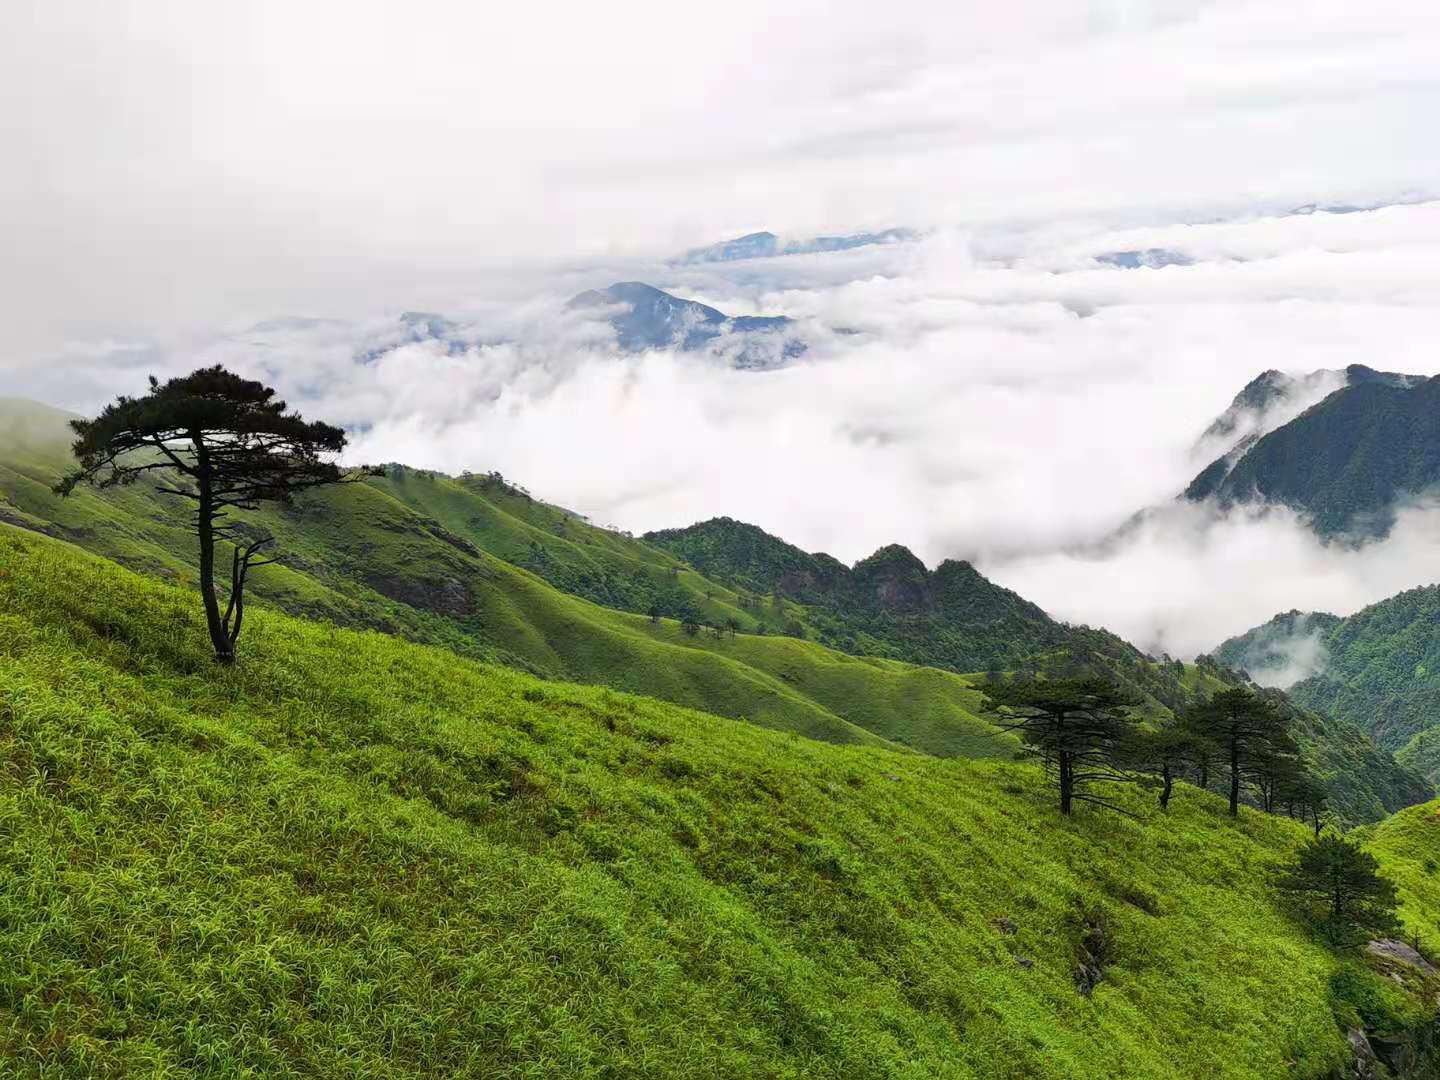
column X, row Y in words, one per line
column 952, row 617
column 351, row 854
column 1346, row 463
column 1379, row 667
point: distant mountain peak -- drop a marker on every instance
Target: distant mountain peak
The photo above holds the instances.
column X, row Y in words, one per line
column 1342, row 447
column 650, row 318
column 1144, row 258
column 766, row 245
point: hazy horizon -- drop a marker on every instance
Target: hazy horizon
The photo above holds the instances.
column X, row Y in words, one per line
column 271, row 187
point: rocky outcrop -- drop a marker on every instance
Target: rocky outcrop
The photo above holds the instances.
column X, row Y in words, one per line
column 1365, row 1065
column 1093, row 953
column 1398, row 952
column 443, row 595
column 1409, row 1053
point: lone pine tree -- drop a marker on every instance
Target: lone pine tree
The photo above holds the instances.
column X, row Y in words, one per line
column 1252, row 734
column 1340, row 889
column 1080, row 728
column 228, row 444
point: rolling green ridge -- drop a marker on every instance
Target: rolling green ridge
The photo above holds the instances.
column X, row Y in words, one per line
column 460, row 562
column 954, row 614
column 1408, row 846
column 353, row 855
column 953, row 617
column 360, row 556
column 1381, row 669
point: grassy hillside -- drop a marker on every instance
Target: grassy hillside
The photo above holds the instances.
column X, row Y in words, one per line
column 351, row 855
column 360, row 556
column 481, row 512
column 1408, row 847
column 953, row 615
column 459, row 562
column 609, row 568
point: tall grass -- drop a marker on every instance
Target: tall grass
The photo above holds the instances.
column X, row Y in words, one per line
column 354, row 856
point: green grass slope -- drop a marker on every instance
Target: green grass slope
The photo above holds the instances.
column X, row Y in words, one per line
column 1408, row 848
column 953, row 615
column 477, row 565
column 601, row 565
column 352, row 855
column 360, row 556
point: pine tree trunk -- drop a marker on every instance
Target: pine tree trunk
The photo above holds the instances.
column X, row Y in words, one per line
column 1168, row 784
column 1234, row 778
column 205, row 525
column 1067, row 782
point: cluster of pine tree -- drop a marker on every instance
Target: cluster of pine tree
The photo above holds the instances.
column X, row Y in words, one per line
column 1084, row 730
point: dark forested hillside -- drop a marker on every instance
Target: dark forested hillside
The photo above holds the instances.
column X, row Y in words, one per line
column 1346, row 463
column 1380, row 668
column 952, row 616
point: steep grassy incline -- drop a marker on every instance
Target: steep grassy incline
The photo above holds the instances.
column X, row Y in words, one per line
column 1408, row 847
column 350, row 855
column 477, row 511
column 361, row 557
column 606, row 567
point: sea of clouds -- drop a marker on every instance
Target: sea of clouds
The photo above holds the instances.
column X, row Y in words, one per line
column 201, row 183
column 998, row 396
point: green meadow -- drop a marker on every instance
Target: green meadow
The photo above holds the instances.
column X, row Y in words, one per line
column 352, row 855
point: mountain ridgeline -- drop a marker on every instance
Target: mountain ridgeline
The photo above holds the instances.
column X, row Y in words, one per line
column 738, row 623
column 645, row 317
column 1347, row 463
column 766, row 245
column 950, row 617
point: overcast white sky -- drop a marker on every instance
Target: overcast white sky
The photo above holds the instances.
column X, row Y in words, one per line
column 176, row 172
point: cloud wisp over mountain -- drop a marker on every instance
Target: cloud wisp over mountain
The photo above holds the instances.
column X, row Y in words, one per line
column 1004, row 397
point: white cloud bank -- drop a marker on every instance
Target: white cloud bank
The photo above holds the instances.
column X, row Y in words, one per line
column 987, row 410
column 180, row 166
